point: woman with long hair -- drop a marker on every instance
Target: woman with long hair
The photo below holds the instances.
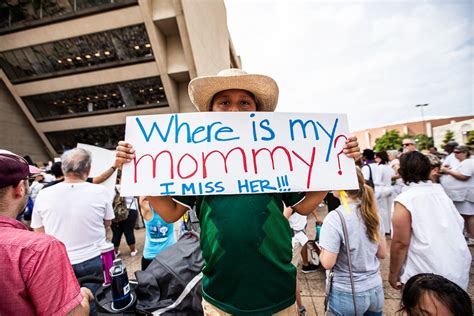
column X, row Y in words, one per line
column 367, row 245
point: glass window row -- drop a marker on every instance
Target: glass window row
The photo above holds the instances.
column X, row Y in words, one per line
column 114, row 97
column 84, row 53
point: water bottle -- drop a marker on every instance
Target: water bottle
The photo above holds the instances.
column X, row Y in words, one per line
column 318, row 231
column 107, row 257
column 121, row 297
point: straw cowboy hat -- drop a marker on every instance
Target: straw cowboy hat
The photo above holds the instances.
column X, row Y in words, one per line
column 202, row 89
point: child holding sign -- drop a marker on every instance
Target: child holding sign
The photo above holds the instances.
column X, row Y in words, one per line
column 245, row 239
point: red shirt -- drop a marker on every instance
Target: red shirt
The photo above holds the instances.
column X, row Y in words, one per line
column 36, row 277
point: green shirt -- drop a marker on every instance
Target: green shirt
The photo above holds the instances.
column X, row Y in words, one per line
column 246, row 247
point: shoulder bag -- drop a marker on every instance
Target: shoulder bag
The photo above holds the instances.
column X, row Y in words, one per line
column 331, row 273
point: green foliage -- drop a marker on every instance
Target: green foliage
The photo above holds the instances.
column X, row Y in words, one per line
column 423, row 141
column 390, row 140
column 470, row 138
column 449, row 136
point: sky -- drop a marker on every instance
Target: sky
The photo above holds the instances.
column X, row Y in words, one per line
column 373, row 59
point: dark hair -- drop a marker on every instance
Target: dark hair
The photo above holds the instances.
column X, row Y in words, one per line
column 448, row 293
column 414, row 167
column 56, row 169
column 383, row 157
column 368, row 154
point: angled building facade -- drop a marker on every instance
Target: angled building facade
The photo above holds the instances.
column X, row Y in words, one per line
column 72, row 70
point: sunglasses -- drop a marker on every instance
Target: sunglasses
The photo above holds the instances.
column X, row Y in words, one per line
column 457, row 152
column 405, row 145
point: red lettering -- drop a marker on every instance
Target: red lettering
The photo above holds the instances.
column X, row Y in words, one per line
column 256, row 152
column 308, row 182
column 192, row 173
column 135, row 163
column 204, row 160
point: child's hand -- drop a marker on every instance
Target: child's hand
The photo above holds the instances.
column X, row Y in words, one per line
column 351, row 147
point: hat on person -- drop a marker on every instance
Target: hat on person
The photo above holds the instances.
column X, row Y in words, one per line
column 14, row 168
column 452, row 144
column 462, row 148
column 202, row 89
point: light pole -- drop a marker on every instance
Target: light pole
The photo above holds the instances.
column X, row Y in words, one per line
column 421, row 106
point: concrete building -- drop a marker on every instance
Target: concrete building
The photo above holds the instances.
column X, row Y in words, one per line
column 367, row 137
column 72, row 70
column 460, row 130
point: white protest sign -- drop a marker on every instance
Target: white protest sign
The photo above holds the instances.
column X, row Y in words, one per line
column 236, row 153
column 102, row 159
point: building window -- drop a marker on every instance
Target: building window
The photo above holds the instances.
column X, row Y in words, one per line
column 84, row 53
column 21, row 14
column 105, row 137
column 103, row 99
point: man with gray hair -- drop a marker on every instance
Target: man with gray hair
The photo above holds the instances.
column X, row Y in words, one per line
column 76, row 212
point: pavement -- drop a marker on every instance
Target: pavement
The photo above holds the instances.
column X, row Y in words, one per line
column 312, row 285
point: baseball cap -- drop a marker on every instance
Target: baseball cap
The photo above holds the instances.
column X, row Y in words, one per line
column 14, row 168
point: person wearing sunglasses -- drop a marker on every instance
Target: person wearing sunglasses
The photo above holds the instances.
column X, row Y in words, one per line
column 459, row 185
column 408, row 145
column 37, row 278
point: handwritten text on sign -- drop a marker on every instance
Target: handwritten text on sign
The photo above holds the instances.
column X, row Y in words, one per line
column 236, row 153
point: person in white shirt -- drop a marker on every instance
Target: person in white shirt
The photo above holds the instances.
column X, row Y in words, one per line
column 459, row 185
column 427, row 229
column 384, row 189
column 451, row 161
column 76, row 212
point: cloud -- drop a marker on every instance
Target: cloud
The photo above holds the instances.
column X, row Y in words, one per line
column 373, row 60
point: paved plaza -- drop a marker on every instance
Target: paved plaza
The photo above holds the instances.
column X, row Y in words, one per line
column 312, row 284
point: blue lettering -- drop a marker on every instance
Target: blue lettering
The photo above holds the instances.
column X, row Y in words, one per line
column 178, row 128
column 254, row 185
column 167, row 188
column 303, row 128
column 164, row 138
column 268, row 129
column 225, row 129
column 196, row 131
column 185, row 188
column 219, row 187
column 265, row 185
column 331, row 137
column 243, row 186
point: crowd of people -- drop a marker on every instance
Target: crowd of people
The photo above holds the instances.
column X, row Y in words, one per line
column 424, row 203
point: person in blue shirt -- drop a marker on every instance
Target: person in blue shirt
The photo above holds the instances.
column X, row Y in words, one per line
column 159, row 234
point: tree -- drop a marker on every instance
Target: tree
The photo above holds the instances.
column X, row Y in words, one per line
column 470, row 138
column 449, row 136
column 390, row 140
column 423, row 142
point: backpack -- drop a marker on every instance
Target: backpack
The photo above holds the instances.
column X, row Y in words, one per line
column 171, row 284
column 120, row 208
column 370, row 181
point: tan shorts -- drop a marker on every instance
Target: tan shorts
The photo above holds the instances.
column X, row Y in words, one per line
column 296, row 259
column 211, row 310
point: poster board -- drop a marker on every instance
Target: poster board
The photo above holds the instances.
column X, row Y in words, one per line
column 236, row 153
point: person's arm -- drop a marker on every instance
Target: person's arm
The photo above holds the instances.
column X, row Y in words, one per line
column 328, row 259
column 83, row 308
column 145, row 209
column 107, row 223
column 167, row 208
column 108, row 173
column 382, row 250
column 455, row 174
column 310, row 202
column 401, row 222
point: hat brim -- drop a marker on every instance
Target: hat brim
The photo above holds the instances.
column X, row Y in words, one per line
column 34, row 170
column 202, row 89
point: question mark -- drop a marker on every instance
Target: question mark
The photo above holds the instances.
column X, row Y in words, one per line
column 342, row 150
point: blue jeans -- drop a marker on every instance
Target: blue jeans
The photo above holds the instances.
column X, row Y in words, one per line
column 369, row 303
column 90, row 268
